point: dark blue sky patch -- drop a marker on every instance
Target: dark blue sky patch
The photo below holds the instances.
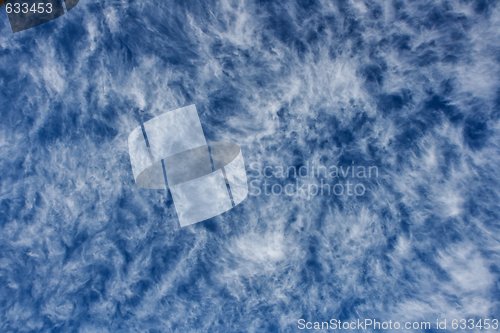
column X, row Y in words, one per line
column 437, row 104
column 373, row 74
column 394, row 102
column 57, row 126
column 476, row 132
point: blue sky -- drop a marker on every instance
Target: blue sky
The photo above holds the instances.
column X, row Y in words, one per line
column 410, row 87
